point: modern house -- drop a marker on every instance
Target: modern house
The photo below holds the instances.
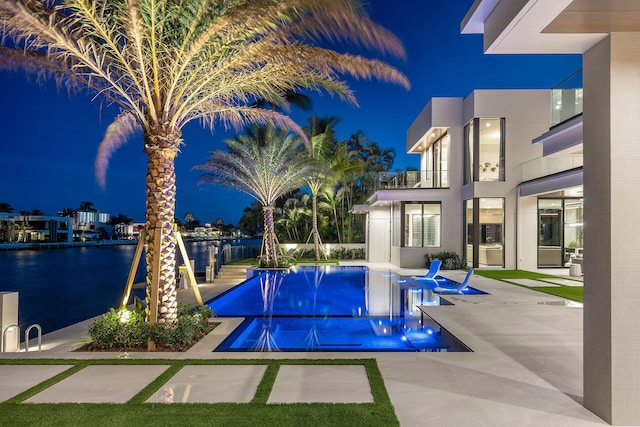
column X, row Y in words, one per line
column 500, row 181
column 37, row 228
column 607, row 35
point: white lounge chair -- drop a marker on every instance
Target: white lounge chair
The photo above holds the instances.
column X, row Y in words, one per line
column 458, row 289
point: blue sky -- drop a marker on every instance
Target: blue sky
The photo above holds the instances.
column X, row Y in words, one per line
column 49, row 139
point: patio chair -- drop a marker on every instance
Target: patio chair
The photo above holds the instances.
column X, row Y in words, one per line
column 434, row 269
column 430, row 276
column 458, row 289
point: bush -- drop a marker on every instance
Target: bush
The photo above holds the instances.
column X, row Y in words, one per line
column 129, row 330
column 450, row 260
column 344, row 253
column 278, row 262
column 335, row 253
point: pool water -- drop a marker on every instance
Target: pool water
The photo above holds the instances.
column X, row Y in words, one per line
column 331, row 308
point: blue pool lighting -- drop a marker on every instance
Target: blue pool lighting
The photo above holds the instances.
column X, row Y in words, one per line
column 331, row 308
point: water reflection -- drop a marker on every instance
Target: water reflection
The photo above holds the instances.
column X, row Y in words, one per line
column 331, row 308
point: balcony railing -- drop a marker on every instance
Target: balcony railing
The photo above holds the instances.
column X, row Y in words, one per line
column 412, row 179
column 566, row 99
column 545, row 166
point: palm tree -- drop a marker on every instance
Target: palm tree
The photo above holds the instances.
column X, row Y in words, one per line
column 6, row 207
column 264, row 164
column 165, row 63
column 322, row 136
column 86, row 206
column 292, row 216
column 66, row 212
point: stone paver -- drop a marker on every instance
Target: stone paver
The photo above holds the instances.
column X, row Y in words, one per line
column 18, row 378
column 100, row 384
column 211, row 384
column 321, row 383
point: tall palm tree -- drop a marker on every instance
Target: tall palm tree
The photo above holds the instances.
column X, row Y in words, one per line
column 265, row 168
column 321, row 134
column 167, row 62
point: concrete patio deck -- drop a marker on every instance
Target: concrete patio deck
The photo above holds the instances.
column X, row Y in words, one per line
column 525, row 368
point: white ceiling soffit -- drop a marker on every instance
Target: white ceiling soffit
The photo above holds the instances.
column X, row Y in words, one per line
column 520, row 26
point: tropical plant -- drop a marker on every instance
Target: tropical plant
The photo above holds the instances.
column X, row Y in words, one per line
column 165, row 63
column 251, row 221
column 322, row 137
column 86, row 206
column 67, row 212
column 6, row 207
column 264, row 164
column 292, row 217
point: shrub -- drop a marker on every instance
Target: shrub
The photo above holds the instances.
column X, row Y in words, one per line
column 278, row 262
column 450, row 260
column 129, row 330
column 344, row 253
column 336, row 253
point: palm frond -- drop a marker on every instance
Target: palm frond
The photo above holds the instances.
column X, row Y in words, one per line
column 117, row 134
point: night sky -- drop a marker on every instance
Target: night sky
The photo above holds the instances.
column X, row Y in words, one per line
column 49, row 139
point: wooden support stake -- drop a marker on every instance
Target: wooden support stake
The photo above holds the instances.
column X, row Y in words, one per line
column 134, row 268
column 187, row 264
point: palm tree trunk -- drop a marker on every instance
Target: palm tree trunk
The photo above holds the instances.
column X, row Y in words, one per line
column 314, row 222
column 161, row 149
column 269, row 241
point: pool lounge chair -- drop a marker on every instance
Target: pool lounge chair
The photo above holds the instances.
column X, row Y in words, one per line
column 458, row 289
column 429, row 277
column 434, row 269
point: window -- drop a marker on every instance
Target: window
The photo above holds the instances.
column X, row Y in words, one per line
column 484, row 223
column 484, row 158
column 421, row 225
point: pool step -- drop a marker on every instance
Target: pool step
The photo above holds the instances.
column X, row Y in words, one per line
column 233, row 272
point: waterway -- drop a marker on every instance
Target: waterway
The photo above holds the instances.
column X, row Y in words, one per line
column 59, row 287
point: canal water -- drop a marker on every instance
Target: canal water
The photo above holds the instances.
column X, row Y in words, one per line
column 59, row 287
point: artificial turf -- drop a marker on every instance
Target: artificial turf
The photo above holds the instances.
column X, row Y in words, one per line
column 255, row 413
column 574, row 293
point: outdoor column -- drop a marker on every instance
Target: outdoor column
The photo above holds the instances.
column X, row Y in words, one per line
column 612, row 229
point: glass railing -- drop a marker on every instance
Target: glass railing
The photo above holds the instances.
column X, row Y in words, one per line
column 545, row 166
column 412, row 179
column 566, row 99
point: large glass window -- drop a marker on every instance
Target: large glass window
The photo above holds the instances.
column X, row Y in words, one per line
column 469, row 133
column 436, row 163
column 560, row 231
column 396, row 214
column 421, row 224
column 441, row 162
column 484, row 220
column 484, row 142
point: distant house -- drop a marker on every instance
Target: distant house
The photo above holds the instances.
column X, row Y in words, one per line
column 37, row 228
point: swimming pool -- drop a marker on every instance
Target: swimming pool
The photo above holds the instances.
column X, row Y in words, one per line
column 331, row 308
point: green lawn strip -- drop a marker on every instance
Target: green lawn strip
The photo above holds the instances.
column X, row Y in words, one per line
column 266, row 384
column 257, row 412
column 197, row 414
column 512, row 274
column 574, row 293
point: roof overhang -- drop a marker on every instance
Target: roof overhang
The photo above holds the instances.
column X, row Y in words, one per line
column 550, row 184
column 548, row 26
column 563, row 139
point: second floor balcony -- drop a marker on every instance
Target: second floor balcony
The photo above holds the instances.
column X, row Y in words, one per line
column 546, row 166
column 412, row 179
